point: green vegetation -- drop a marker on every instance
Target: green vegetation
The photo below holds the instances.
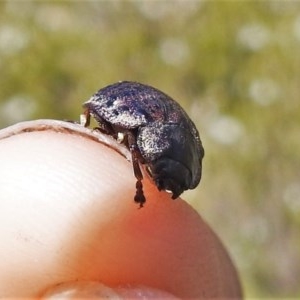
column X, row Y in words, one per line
column 234, row 66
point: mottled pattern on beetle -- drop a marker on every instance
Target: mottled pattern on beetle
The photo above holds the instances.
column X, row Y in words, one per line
column 152, row 141
column 136, row 105
column 110, row 110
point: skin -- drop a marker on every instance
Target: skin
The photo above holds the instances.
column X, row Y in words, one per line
column 69, row 225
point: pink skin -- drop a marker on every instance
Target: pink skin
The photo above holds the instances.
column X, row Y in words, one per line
column 67, row 215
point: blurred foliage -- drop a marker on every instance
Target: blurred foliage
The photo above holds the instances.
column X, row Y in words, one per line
column 234, row 66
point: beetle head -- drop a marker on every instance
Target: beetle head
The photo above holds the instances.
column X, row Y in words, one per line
column 172, row 156
column 170, row 175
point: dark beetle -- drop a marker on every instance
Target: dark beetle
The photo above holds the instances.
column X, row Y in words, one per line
column 156, row 130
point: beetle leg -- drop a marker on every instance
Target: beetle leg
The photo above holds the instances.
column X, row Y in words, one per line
column 139, row 195
column 85, row 118
column 104, row 127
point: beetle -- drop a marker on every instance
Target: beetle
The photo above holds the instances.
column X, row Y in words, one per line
column 156, row 130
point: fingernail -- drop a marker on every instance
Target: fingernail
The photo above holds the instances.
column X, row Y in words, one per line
column 143, row 292
column 85, row 290
column 81, row 290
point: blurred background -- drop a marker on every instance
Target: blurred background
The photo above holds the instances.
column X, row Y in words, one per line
column 234, row 67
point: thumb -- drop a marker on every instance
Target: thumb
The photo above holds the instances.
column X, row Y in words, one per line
column 67, row 214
